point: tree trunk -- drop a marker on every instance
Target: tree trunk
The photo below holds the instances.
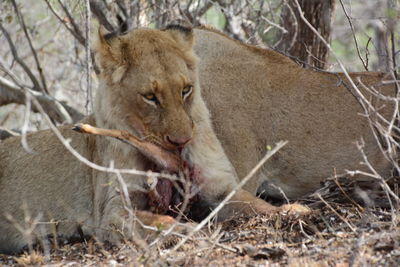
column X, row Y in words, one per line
column 300, row 42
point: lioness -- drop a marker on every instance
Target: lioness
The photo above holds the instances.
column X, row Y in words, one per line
column 258, row 97
column 149, row 87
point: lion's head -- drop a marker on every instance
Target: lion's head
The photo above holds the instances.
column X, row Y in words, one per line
column 149, row 82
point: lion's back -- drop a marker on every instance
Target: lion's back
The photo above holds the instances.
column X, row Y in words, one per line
column 258, row 97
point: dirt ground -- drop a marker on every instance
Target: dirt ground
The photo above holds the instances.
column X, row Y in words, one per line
column 341, row 231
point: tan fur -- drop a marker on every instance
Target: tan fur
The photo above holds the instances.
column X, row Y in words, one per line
column 258, row 97
column 67, row 195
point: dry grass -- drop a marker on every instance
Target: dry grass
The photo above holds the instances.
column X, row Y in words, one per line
column 338, row 233
column 29, row 259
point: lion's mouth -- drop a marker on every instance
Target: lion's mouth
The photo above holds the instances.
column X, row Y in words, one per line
column 156, row 153
column 165, row 192
column 162, row 144
column 167, row 196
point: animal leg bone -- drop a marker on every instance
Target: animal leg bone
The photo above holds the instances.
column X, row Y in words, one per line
column 164, row 159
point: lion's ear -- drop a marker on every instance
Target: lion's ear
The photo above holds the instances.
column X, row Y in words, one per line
column 109, row 54
column 108, row 48
column 182, row 32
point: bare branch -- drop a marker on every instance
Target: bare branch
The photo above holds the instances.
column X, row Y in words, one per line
column 204, row 9
column 75, row 26
column 67, row 145
column 5, row 133
column 194, row 17
column 28, row 38
column 25, row 124
column 354, row 35
column 58, row 111
column 337, row 214
column 395, row 74
column 35, row 82
column 128, row 21
column 89, row 94
column 77, row 35
column 99, row 9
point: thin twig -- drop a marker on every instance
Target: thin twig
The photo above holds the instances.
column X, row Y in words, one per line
column 397, row 85
column 376, row 175
column 346, row 195
column 354, row 35
column 187, row 194
column 28, row 38
column 337, row 214
column 76, row 154
column 356, row 92
column 29, row 226
column 393, row 44
column 302, row 230
column 25, row 125
column 89, row 96
column 269, row 154
column 71, row 19
column 78, row 35
column 284, row 31
column 35, row 82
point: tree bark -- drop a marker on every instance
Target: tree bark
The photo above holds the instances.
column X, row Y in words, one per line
column 300, row 42
column 57, row 111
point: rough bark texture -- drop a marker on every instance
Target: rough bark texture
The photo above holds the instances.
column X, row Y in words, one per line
column 300, row 42
column 10, row 93
column 383, row 30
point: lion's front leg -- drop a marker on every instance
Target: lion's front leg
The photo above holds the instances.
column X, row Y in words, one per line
column 118, row 220
column 121, row 225
column 153, row 223
column 113, row 222
column 249, row 204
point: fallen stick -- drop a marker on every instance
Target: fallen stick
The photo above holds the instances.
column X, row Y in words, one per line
column 164, row 159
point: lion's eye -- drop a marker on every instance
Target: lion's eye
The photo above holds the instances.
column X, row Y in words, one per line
column 187, row 90
column 150, row 98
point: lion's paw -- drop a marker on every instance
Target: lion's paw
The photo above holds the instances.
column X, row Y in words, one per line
column 295, row 209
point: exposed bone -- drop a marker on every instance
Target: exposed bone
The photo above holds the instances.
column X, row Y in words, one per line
column 161, row 157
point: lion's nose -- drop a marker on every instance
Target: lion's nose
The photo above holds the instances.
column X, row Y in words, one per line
column 178, row 141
